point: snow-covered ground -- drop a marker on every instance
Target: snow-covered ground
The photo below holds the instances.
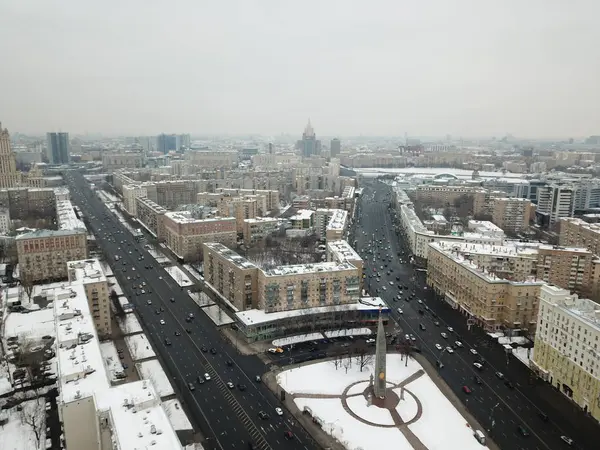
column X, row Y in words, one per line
column 201, row 299
column 139, row 347
column 519, row 340
column 179, row 276
column 129, row 324
column 177, row 415
column 5, row 386
column 348, row 332
column 153, row 371
column 523, row 354
column 110, row 356
column 106, row 268
column 158, row 256
column 451, row 429
column 217, row 315
column 297, row 339
column 32, row 325
column 16, row 435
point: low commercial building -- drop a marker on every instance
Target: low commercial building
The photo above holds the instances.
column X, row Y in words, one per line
column 184, row 235
column 302, row 222
column 43, row 254
column 258, row 229
column 480, row 292
column 308, row 285
column 233, row 276
column 257, row 325
column 90, row 275
column 566, row 351
column 66, row 217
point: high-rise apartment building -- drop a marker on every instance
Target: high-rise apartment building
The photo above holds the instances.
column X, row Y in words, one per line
column 90, row 274
column 9, row 177
column 567, row 347
column 578, row 233
column 58, row 148
column 166, row 143
column 335, row 148
column 511, row 214
column 554, row 203
column 309, row 145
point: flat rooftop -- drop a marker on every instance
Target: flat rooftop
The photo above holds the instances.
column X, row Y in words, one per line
column 263, row 220
column 230, row 255
column 302, row 214
column 48, row 233
column 86, row 271
column 186, row 217
column 298, row 269
column 66, row 218
column 342, row 251
column 338, row 220
column 258, row 316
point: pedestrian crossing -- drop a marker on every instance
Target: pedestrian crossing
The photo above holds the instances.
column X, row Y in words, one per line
column 257, row 438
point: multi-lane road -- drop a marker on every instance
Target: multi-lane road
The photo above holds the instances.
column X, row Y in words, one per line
column 500, row 405
column 228, row 417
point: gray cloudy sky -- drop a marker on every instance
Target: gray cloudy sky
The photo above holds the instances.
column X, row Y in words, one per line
column 431, row 67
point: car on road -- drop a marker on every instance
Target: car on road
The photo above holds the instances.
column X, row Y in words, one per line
column 213, row 351
column 523, row 431
column 167, row 341
column 370, row 341
column 567, row 440
column 473, row 351
column 422, row 327
column 444, row 335
column 451, row 330
column 191, row 387
column 257, row 378
column 436, row 323
column 466, row 389
column 230, row 385
column 477, row 380
column 400, row 311
column 242, row 387
column 177, row 333
column 391, row 283
column 200, row 380
column 229, row 363
column 172, row 299
column 263, row 415
column 509, row 384
column 500, row 375
column 207, row 377
column 279, row 411
column 204, row 349
column 420, row 302
column 438, row 346
column 478, row 366
column 162, row 322
column 148, row 302
column 449, row 349
column 458, row 344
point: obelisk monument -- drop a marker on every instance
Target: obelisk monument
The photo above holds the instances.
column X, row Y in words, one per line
column 380, row 351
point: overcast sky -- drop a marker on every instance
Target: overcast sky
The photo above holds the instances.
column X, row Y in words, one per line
column 373, row 67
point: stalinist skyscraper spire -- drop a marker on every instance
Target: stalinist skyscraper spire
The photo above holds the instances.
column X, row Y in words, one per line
column 9, row 176
column 380, row 353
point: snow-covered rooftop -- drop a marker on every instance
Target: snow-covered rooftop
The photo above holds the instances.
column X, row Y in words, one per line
column 66, row 217
column 342, row 251
column 302, row 214
column 309, row 268
column 86, row 271
column 338, row 220
column 229, row 255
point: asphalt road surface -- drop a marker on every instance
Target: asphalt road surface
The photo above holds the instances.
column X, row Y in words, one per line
column 228, row 417
column 500, row 408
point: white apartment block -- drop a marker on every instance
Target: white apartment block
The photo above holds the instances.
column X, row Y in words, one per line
column 4, row 220
column 130, row 193
column 331, row 223
column 567, row 346
column 555, row 202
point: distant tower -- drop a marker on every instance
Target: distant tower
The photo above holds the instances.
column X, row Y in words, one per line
column 380, row 351
column 270, row 149
column 335, row 148
column 309, row 145
column 58, row 148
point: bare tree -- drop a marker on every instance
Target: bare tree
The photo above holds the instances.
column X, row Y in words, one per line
column 32, row 414
column 361, row 355
column 347, row 362
column 27, row 285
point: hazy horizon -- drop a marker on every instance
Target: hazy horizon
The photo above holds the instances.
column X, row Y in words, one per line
column 379, row 68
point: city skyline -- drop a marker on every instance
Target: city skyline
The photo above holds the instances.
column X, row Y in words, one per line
column 382, row 69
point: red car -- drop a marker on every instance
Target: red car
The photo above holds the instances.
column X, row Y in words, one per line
column 466, row 389
column 288, row 434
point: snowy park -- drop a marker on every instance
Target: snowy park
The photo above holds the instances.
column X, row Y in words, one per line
column 414, row 407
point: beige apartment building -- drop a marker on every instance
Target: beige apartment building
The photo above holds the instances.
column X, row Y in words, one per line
column 25, row 203
column 481, row 295
column 91, row 275
column 241, row 208
column 151, row 215
column 43, row 254
column 258, row 229
column 567, row 347
column 578, row 233
column 341, row 251
column 569, row 268
column 512, row 214
column 214, row 159
column 308, row 285
column 114, row 161
column 270, row 202
column 130, row 193
column 445, row 195
column 185, row 235
column 233, row 276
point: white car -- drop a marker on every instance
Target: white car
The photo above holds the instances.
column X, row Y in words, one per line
column 279, row 411
column 162, row 322
column 391, row 283
column 567, row 439
column 438, row 346
column 444, row 335
column 449, row 349
column 230, row 385
column 458, row 344
column 473, row 351
column 420, row 302
column 370, row 341
column 207, row 377
column 400, row 311
column 451, row 330
column 478, row 366
column 272, row 350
